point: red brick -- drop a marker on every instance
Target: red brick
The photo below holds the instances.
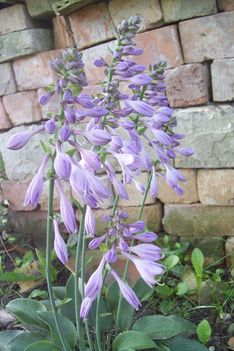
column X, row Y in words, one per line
column 22, row 107
column 34, row 71
column 208, row 38
column 188, row 85
column 62, row 34
column 5, row 123
column 158, row 44
column 92, row 25
column 226, row 5
column 149, row 10
column 15, row 192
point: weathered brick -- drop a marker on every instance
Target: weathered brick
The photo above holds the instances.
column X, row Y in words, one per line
column 34, row 71
column 25, row 42
column 149, row 10
column 209, row 131
column 28, row 222
column 208, row 38
column 162, row 43
column 152, row 215
column 56, row 204
column 22, row 107
column 198, row 220
column 167, row 196
column 7, row 79
column 16, row 18
column 62, row 34
column 178, row 10
column 188, row 85
column 223, row 80
column 229, row 248
column 215, row 187
column 22, row 164
column 15, row 192
column 91, row 25
column 40, row 9
column 5, row 123
column 225, row 5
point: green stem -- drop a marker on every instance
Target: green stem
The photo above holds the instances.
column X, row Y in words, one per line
column 132, row 243
column 48, row 254
column 83, row 255
column 77, row 292
column 98, row 337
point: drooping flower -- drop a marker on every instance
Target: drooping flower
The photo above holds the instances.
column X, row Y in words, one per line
column 90, row 225
column 60, row 247
column 66, row 210
column 62, row 163
column 19, row 140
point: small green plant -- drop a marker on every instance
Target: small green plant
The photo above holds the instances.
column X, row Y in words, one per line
column 204, row 331
column 197, row 259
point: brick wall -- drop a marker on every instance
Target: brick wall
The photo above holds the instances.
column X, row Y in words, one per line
column 197, row 40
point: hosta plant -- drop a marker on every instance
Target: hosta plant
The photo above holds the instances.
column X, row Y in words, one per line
column 127, row 126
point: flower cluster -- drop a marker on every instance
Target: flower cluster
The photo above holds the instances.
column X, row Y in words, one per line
column 129, row 120
column 120, row 240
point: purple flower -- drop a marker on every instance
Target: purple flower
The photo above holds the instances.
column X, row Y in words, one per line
column 90, row 222
column 130, row 50
column 147, row 237
column 153, row 184
column 185, row 151
column 19, row 140
column 141, row 107
column 94, row 244
column 100, row 62
column 119, row 188
column 127, row 292
column 34, row 191
column 60, row 247
column 43, row 100
column 110, row 255
column 69, row 115
column 92, row 289
column 50, row 126
column 162, row 137
column 90, row 159
column 67, row 211
column 65, row 132
column 84, row 100
column 98, row 137
column 141, row 79
column 137, row 226
column 62, row 163
column 147, row 252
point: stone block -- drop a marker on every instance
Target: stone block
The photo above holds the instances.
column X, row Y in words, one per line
column 187, row 85
column 222, row 73
column 225, row 5
column 40, row 9
column 149, row 10
column 136, row 197
column 15, row 192
column 198, row 220
column 25, row 42
column 22, row 164
column 178, row 10
column 28, row 222
column 63, row 37
column 208, row 38
column 91, row 25
column 215, row 187
column 167, row 196
column 34, row 71
column 160, row 44
column 7, row 79
column 56, row 204
column 16, row 18
column 5, row 123
column 152, row 215
column 229, row 248
column 209, row 131
column 22, row 107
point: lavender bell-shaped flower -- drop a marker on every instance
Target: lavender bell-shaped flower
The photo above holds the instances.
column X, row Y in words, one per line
column 34, row 191
column 67, row 211
column 60, row 247
column 19, row 140
column 62, row 163
column 50, row 126
column 90, row 223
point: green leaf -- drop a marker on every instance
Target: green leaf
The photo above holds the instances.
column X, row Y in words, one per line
column 6, row 336
column 68, row 329
column 187, row 326
column 164, row 290
column 171, row 261
column 180, row 343
column 28, row 258
column 182, row 289
column 17, row 277
column 43, row 345
column 143, row 291
column 26, row 310
column 38, row 293
column 132, row 340
column 204, row 331
column 42, row 261
column 158, row 327
column 22, row 341
column 59, row 292
column 197, row 261
column 166, row 306
column 126, row 311
column 68, row 310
